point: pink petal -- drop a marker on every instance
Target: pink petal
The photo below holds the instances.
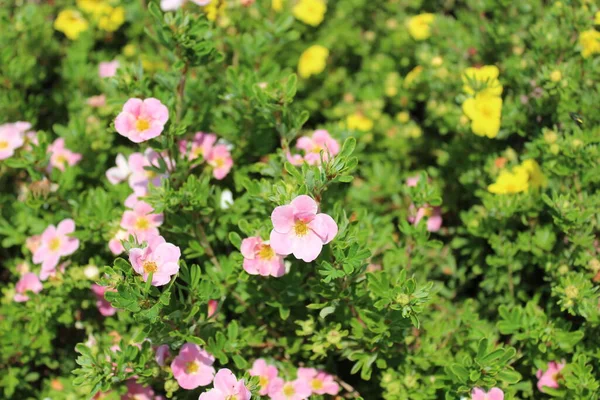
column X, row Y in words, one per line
column 282, row 243
column 324, row 226
column 225, row 381
column 133, row 106
column 69, row 246
column 212, row 394
column 249, row 245
column 66, row 226
column 283, row 219
column 304, row 205
column 495, row 394
column 307, row 247
column 251, row 266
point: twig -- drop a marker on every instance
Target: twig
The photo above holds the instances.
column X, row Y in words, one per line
column 201, row 233
column 351, row 393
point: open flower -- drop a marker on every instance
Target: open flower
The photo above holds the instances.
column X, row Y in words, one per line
column 589, row 41
column 201, row 145
column 227, row 387
column 141, row 222
column 319, row 381
column 220, row 159
column 294, row 390
column 55, row 243
column 312, row 61
column 485, row 112
column 60, row 156
column 359, row 122
column 108, row 69
column 419, row 26
column 493, row 394
column 103, row 305
column 119, row 173
column 266, row 374
column 299, row 230
column 96, row 101
column 260, row 258
column 159, row 258
column 71, row 23
column 28, row 283
column 193, row 367
column 320, row 141
column 551, row 376
column 311, row 12
column 142, row 120
column 482, row 80
column 141, row 178
column 12, row 136
column 509, row 182
column 136, row 391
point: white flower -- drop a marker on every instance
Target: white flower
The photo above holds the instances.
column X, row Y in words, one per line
column 226, row 199
column 119, row 173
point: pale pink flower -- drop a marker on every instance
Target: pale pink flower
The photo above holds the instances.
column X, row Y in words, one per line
column 12, row 137
column 299, row 230
column 266, row 374
column 136, row 391
column 51, row 273
column 193, row 367
column 213, row 306
column 320, row 141
column 201, row 145
column 220, row 159
column 22, row 268
column 115, row 245
column 294, row 390
column 28, row 283
column 319, row 381
column 60, row 156
column 96, row 101
column 551, row 376
column 159, row 258
column 171, row 5
column 33, row 243
column 161, row 354
column 108, row 69
column 55, row 243
column 119, row 173
column 141, row 222
column 294, row 159
column 493, row 394
column 103, row 305
column 260, row 258
column 433, row 214
column 142, row 120
column 131, row 200
column 227, row 387
column 141, row 178
column 412, row 181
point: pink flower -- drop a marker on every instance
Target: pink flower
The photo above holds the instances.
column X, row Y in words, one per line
column 266, row 373
column 161, row 354
column 227, row 387
column 103, row 305
column 142, row 120
column 220, row 159
column 141, row 178
column 115, row 246
column 55, row 243
column 299, row 230
column 294, row 390
column 33, row 243
column 159, row 258
column 96, row 101
column 319, row 381
column 120, row 172
column 28, row 283
column 320, row 141
column 412, row 181
column 295, row 159
column 135, row 391
column 12, row 137
column 433, row 214
column 108, row 69
column 193, row 367
column 493, row 394
column 260, row 258
column 60, row 156
column 213, row 305
column 551, row 376
column 140, row 221
column 201, row 146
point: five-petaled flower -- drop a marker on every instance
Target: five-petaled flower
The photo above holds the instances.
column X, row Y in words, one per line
column 260, row 258
column 159, row 258
column 142, row 120
column 56, row 242
column 12, row 136
column 293, row 390
column 141, row 222
column 266, row 374
column 319, row 381
column 28, row 283
column 227, row 387
column 493, row 394
column 321, row 140
column 551, row 376
column 193, row 367
column 60, row 156
column 220, row 159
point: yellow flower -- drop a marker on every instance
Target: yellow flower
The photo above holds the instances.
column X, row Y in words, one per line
column 511, row 182
column 485, row 112
column 597, row 18
column 555, row 76
column 359, row 122
column 215, row 9
column 277, row 5
column 536, row 176
column 310, row 12
column 403, row 117
column 486, row 76
column 312, row 61
column 412, row 76
column 71, row 23
column 419, row 26
column 110, row 18
column 90, row 6
column 129, row 50
column 589, row 42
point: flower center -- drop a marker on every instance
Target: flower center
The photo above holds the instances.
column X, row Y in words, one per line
column 142, row 223
column 219, row 162
column 300, row 228
column 142, row 124
column 288, row 390
column 54, row 244
column 231, row 397
column 486, row 111
column 3, row 144
column 428, row 212
column 192, row 367
column 317, row 384
column 264, row 381
column 151, row 267
column 266, row 252
column 61, row 159
column 317, row 149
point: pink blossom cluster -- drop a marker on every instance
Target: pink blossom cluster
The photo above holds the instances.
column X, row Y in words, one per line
column 320, row 141
column 204, row 146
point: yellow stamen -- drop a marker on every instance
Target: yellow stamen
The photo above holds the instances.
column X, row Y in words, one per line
column 191, row 367
column 142, row 223
column 316, row 384
column 288, row 390
column 150, row 267
column 3, row 144
column 266, row 252
column 142, row 124
column 54, row 244
column 300, row 228
column 264, row 381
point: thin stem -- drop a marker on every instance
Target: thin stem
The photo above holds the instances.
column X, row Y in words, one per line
column 181, row 91
column 201, row 233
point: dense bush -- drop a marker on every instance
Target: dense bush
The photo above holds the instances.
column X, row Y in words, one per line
column 427, row 173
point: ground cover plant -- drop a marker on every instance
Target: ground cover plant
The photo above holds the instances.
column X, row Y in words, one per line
column 299, row 199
